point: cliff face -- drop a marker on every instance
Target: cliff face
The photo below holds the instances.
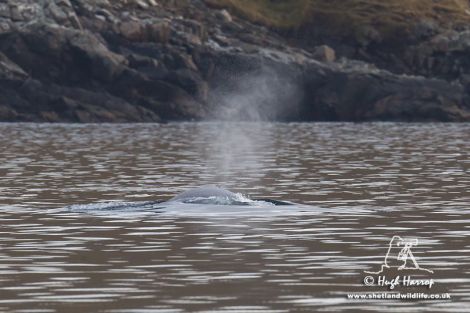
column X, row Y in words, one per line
column 150, row 60
column 414, row 37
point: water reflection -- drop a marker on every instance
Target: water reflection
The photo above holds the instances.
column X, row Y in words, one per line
column 359, row 186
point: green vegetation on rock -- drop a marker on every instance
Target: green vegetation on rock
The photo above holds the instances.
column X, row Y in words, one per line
column 348, row 17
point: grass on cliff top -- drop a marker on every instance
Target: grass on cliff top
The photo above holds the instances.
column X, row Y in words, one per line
column 347, row 15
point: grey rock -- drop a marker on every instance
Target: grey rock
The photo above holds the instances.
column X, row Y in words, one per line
column 158, row 31
column 65, row 3
column 4, row 10
column 132, row 30
column 142, row 4
column 101, row 17
column 324, row 53
column 57, row 13
column 11, row 71
column 7, row 113
column 15, row 13
column 367, row 35
column 224, row 16
column 426, row 29
column 106, row 14
column 4, row 27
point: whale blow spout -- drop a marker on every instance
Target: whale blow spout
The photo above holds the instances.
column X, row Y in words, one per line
column 215, row 195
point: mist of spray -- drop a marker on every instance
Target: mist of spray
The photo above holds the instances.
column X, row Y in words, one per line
column 257, row 96
column 241, row 143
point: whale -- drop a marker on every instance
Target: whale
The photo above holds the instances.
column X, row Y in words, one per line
column 208, row 196
column 204, row 192
column 211, row 194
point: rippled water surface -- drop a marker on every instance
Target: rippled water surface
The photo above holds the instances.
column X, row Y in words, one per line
column 81, row 229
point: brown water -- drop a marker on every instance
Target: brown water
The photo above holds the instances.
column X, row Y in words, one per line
column 359, row 185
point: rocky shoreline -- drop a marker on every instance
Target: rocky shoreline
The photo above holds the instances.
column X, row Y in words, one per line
column 157, row 61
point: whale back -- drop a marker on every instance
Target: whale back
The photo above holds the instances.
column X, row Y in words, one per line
column 215, row 195
column 209, row 194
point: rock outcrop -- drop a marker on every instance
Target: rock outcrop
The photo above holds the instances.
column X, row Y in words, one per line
column 155, row 61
